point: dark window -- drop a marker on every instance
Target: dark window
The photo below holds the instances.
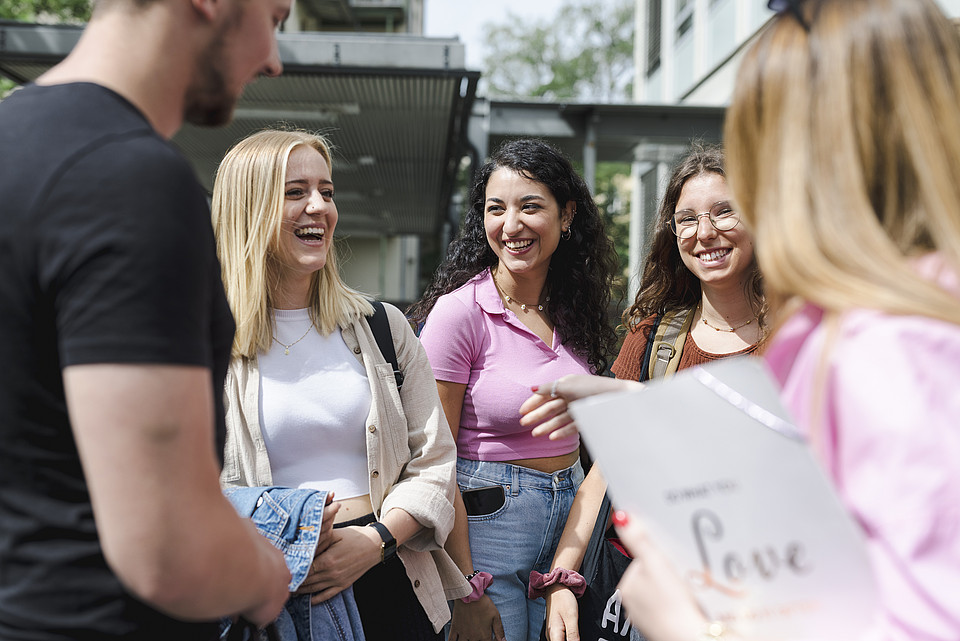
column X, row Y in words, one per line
column 684, row 17
column 650, row 200
column 653, row 35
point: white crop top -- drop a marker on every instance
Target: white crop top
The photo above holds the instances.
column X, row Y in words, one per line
column 314, row 403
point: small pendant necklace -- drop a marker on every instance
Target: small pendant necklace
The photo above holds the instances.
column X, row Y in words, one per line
column 722, row 329
column 510, row 299
column 523, row 306
column 286, row 348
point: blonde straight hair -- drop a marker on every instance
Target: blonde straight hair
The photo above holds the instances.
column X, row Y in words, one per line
column 844, row 154
column 247, row 207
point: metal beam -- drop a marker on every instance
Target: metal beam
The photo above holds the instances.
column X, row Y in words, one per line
column 617, row 130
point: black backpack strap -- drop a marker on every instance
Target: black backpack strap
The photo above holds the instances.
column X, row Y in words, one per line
column 380, row 326
column 648, row 352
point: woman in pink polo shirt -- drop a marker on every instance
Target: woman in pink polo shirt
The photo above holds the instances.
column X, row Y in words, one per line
column 521, row 298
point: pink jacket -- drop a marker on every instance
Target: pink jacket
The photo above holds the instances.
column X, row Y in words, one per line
column 888, row 429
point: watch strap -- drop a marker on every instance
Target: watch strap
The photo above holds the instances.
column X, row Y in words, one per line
column 388, row 545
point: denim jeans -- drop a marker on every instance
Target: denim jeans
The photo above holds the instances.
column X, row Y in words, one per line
column 520, row 536
column 291, row 519
column 336, row 619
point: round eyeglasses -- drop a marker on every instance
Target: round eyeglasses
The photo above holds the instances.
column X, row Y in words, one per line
column 686, row 222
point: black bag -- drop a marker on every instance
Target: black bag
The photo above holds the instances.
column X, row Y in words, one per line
column 601, row 615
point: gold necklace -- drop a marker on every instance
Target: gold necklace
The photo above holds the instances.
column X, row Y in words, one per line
column 286, row 348
column 722, row 329
column 510, row 299
column 523, row 306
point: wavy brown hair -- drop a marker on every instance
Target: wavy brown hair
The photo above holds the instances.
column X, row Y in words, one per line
column 666, row 284
column 582, row 268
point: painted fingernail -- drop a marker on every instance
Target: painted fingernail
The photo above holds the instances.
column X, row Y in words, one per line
column 620, row 518
column 534, row 388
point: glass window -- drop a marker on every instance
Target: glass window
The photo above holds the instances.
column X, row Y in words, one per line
column 684, row 13
column 654, row 8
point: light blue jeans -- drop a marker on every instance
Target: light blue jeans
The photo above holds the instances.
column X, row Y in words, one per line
column 519, row 537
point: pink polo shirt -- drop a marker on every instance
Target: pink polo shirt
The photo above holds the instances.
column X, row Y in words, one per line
column 471, row 338
column 889, row 432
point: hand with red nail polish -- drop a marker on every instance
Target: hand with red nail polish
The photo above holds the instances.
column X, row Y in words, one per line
column 620, row 518
column 546, row 410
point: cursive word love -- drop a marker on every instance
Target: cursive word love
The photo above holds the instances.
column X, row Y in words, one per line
column 764, row 561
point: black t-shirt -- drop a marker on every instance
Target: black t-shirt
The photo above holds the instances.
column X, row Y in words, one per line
column 107, row 255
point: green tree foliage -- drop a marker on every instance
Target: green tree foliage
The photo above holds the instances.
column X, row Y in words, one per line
column 612, row 194
column 45, row 12
column 585, row 53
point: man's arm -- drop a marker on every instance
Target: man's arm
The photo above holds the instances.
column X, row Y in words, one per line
column 146, row 442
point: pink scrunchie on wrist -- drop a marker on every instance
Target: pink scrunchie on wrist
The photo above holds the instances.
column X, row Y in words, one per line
column 540, row 582
column 480, row 582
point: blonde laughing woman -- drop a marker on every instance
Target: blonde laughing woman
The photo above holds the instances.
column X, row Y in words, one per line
column 311, row 401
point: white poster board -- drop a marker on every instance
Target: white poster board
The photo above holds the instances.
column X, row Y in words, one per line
column 733, row 495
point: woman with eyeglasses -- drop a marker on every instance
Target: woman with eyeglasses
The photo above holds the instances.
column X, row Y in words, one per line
column 844, row 157
column 701, row 269
column 700, row 299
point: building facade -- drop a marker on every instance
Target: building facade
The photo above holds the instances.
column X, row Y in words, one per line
column 687, row 53
column 381, row 263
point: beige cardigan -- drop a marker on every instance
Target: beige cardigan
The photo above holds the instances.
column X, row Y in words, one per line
column 411, row 456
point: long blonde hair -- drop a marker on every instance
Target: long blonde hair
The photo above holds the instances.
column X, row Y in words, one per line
column 248, row 197
column 844, row 154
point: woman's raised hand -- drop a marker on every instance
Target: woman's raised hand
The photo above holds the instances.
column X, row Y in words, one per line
column 546, row 409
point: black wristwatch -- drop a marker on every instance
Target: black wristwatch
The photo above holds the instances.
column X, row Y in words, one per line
column 388, row 548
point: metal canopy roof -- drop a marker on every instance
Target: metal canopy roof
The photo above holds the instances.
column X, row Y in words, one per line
column 609, row 132
column 395, row 107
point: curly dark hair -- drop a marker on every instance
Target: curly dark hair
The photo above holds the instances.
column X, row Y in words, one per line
column 665, row 283
column 582, row 268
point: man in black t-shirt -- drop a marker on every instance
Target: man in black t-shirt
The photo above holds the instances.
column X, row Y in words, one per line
column 115, row 335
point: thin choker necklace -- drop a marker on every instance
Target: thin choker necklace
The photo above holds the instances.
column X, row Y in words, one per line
column 523, row 306
column 286, row 348
column 722, row 329
column 510, row 299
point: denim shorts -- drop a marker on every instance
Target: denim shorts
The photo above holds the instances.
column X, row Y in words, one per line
column 520, row 536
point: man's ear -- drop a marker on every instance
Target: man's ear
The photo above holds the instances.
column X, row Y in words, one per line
column 207, row 8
